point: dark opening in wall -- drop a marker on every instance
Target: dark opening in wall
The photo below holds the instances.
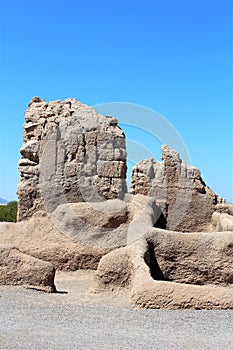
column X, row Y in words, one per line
column 161, row 222
column 151, row 261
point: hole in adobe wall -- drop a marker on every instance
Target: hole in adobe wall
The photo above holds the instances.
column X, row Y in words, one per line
column 151, row 261
column 161, row 222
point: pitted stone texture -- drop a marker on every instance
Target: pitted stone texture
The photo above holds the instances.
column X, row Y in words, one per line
column 186, row 202
column 69, row 151
column 111, row 169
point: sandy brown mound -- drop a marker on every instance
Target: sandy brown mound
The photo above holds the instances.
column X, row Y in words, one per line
column 17, row 268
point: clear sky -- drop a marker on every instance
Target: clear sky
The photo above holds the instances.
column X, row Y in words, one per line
column 172, row 56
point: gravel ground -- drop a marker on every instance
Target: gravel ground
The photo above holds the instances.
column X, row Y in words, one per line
column 77, row 320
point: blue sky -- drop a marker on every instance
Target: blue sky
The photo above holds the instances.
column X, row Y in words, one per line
column 172, row 56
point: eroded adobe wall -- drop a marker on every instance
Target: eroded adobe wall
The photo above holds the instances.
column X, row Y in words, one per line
column 186, row 202
column 70, row 154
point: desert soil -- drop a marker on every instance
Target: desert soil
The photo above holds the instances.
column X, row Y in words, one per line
column 77, row 319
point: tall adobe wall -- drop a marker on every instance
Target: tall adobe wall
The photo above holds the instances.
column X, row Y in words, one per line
column 186, row 202
column 70, row 154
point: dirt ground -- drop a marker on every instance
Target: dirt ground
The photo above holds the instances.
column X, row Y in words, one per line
column 73, row 318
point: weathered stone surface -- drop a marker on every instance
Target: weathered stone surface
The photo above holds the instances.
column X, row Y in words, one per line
column 40, row 238
column 194, row 258
column 187, row 204
column 17, row 268
column 111, row 169
column 76, row 235
column 224, row 208
column 102, row 225
column 30, row 150
column 68, row 150
column 222, row 222
column 165, row 269
column 170, row 295
column 114, row 271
